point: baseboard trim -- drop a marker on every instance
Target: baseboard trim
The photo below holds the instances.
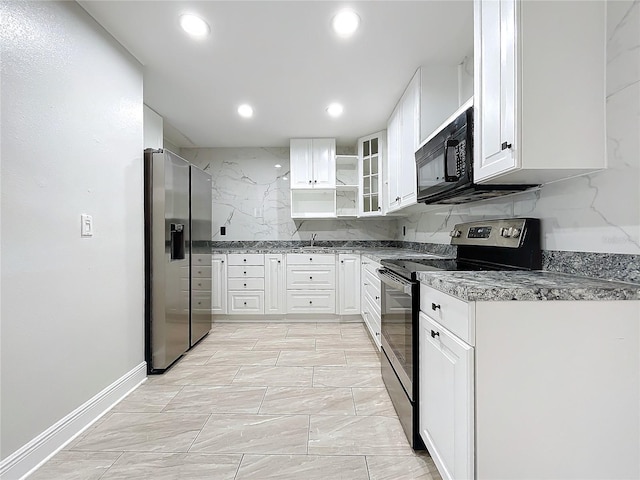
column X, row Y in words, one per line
column 29, row 457
column 289, row 318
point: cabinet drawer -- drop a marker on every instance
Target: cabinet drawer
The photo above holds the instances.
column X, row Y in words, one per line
column 201, row 302
column 245, row 259
column 238, row 271
column 320, row 277
column 371, row 289
column 311, row 301
column 246, row 302
column 199, row 284
column 371, row 319
column 201, row 271
column 245, row 284
column 200, row 259
column 311, row 259
column 450, row 312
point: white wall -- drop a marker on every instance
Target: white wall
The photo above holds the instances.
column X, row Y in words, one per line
column 153, row 129
column 72, row 137
column 593, row 213
column 252, row 199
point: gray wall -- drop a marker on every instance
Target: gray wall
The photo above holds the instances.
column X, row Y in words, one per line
column 72, row 308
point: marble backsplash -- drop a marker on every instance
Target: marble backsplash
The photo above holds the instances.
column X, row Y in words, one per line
column 251, row 198
column 599, row 212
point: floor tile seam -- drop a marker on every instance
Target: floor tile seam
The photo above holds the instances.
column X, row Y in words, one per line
column 262, row 400
column 198, row 434
column 308, row 432
column 353, row 399
column 235, row 476
column 182, row 387
column 366, row 462
column 112, row 464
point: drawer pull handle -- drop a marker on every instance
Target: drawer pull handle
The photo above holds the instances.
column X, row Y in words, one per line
column 245, row 273
column 377, row 297
column 434, row 334
column 377, row 334
column 310, row 278
column 311, row 259
column 245, row 284
column 505, row 145
column 434, row 307
column 244, row 260
column 245, row 303
column 341, row 261
column 310, row 302
column 278, row 261
column 221, row 261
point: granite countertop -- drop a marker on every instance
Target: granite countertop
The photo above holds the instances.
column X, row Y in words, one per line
column 527, row 286
column 376, row 254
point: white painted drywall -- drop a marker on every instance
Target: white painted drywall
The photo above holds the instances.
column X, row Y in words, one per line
column 72, row 139
column 153, row 129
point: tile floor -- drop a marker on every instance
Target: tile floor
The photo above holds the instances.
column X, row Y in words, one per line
column 254, row 401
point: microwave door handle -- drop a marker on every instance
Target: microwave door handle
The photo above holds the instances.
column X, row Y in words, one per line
column 447, row 177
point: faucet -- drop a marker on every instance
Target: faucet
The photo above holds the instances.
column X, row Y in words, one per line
column 313, row 238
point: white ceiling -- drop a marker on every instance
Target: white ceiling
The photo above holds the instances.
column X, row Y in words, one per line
column 284, row 60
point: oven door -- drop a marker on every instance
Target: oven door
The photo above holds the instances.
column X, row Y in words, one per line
column 397, row 319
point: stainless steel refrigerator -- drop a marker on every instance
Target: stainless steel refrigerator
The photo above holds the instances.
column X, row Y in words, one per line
column 170, row 213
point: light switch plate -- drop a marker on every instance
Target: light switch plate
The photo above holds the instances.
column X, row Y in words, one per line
column 86, row 225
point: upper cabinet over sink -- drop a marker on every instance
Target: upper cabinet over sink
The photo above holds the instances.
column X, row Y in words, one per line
column 539, row 90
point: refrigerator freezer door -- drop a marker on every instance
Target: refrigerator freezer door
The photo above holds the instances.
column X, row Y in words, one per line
column 166, row 258
column 200, row 254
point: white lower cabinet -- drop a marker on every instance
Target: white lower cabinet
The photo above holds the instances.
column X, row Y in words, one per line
column 446, row 399
column 245, row 280
column 218, row 284
column 274, row 284
column 525, row 389
column 370, row 299
column 311, row 283
column 348, row 284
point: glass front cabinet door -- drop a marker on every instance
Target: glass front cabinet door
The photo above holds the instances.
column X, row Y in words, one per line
column 371, row 150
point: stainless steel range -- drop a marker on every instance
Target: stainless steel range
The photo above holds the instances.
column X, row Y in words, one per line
column 507, row 244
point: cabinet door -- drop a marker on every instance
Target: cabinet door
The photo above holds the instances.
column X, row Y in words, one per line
column 324, row 162
column 371, row 153
column 392, row 200
column 301, row 162
column 409, row 140
column 446, row 399
column 349, row 284
column 218, row 284
column 496, row 86
column 274, row 287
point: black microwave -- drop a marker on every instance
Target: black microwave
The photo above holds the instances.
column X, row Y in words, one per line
column 444, row 165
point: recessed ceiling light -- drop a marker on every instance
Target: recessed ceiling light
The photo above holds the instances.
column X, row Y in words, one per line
column 345, row 23
column 335, row 109
column 277, row 165
column 245, row 111
column 194, row 25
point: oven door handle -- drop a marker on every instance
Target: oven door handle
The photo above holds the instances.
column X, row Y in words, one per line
column 394, row 282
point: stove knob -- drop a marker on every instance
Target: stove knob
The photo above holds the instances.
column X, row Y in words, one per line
column 455, row 233
column 515, row 233
column 505, row 232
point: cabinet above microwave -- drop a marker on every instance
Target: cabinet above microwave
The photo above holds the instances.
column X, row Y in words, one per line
column 539, row 90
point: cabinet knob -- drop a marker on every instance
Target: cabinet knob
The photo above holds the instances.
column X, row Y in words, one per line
column 244, row 260
column 245, row 303
column 245, row 284
column 245, row 273
column 309, row 182
column 377, row 297
column 311, row 259
column 505, row 145
column 379, row 209
column 199, row 303
column 221, row 261
column 434, row 307
column 365, row 283
column 341, row 261
column 310, row 278
column 377, row 334
column 278, row 261
column 315, row 181
column 310, row 302
column 434, row 334
column 199, row 284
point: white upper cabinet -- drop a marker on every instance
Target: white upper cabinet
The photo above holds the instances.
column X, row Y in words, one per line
column 403, row 138
column 313, row 162
column 539, row 90
column 371, row 153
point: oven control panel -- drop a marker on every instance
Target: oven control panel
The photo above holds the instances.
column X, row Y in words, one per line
column 497, row 233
